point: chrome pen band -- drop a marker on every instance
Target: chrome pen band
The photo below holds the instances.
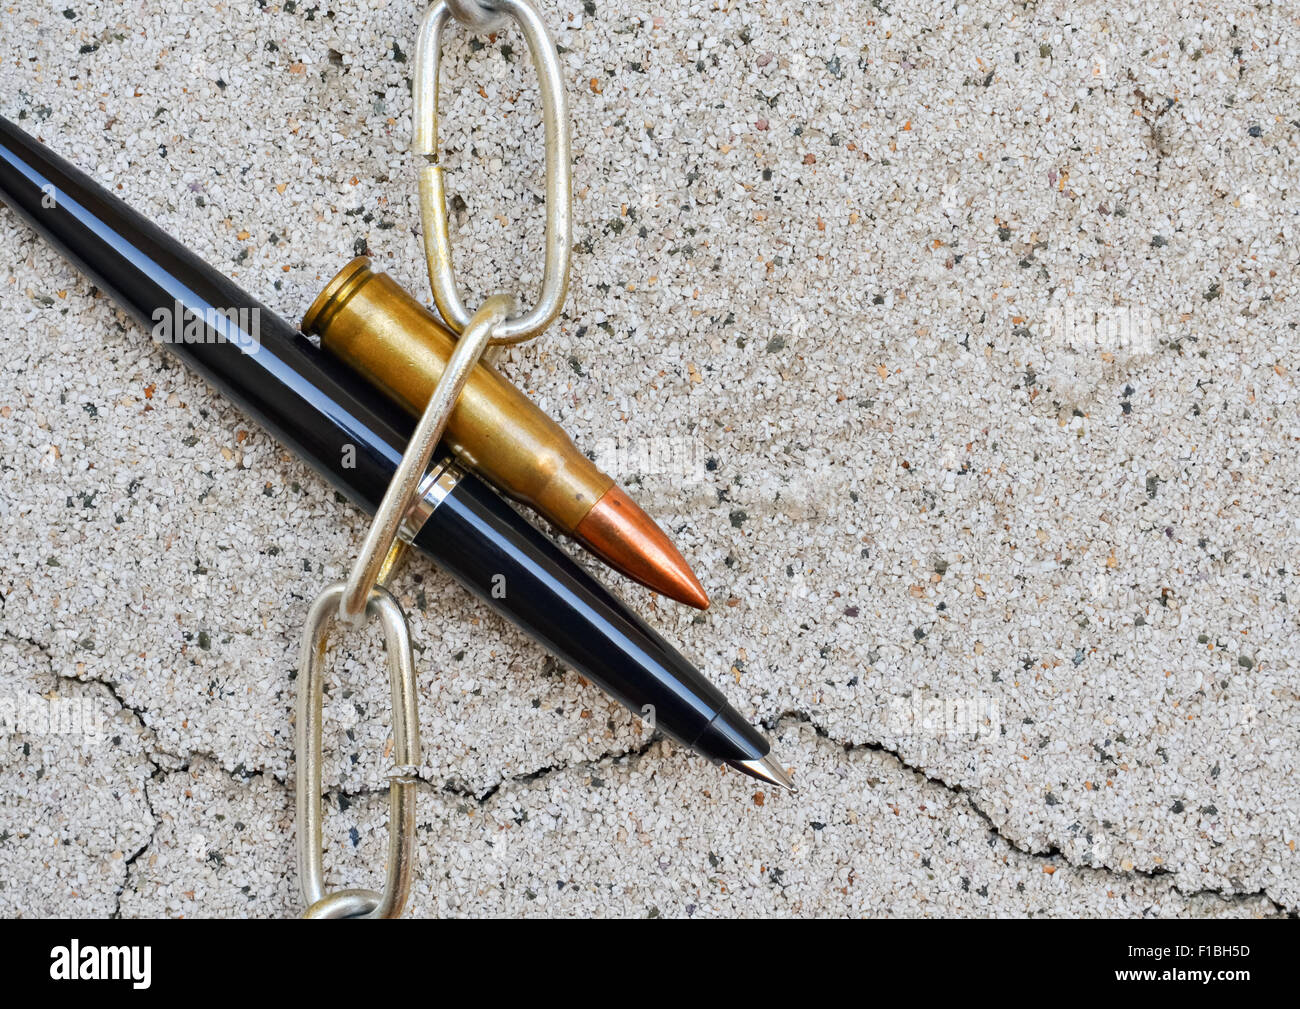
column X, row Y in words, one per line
column 434, row 488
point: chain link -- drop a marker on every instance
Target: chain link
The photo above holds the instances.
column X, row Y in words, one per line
column 495, row 323
column 477, row 16
column 559, row 172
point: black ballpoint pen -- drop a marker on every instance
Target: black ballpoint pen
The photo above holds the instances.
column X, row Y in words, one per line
column 354, row 438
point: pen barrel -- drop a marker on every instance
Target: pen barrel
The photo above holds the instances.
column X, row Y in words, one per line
column 493, row 552
column 304, row 398
column 344, row 428
column 370, row 322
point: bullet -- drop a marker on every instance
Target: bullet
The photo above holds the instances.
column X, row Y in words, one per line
column 369, row 322
column 323, row 411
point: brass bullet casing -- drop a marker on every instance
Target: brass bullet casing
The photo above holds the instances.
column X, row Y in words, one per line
column 368, row 320
column 370, row 323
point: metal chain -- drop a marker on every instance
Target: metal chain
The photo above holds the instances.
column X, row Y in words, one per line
column 476, row 16
column 402, row 778
column 495, row 323
column 559, row 172
column 405, row 487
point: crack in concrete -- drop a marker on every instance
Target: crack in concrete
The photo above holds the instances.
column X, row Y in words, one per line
column 111, row 688
column 40, row 646
column 1052, row 853
column 1279, row 910
column 610, row 757
column 453, row 786
column 129, row 864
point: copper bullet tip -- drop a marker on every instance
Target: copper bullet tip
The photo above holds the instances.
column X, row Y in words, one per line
column 627, row 539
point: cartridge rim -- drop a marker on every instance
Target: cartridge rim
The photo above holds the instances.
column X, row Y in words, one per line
column 336, row 294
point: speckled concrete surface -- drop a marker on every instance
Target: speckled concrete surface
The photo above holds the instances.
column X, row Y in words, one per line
column 956, row 346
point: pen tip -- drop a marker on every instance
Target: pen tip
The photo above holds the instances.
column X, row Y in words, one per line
column 629, row 541
column 765, row 769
